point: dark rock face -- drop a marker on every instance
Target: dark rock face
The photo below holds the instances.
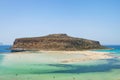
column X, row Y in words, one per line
column 55, row 42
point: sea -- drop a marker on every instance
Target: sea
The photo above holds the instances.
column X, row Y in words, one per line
column 105, row 69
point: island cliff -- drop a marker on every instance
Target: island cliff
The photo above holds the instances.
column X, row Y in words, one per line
column 55, row 42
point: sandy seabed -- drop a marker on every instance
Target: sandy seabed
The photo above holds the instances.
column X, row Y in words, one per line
column 59, row 65
column 54, row 57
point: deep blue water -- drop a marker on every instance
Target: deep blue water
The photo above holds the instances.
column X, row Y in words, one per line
column 5, row 48
column 115, row 49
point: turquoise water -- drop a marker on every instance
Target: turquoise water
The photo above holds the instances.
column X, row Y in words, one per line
column 30, row 69
column 115, row 49
column 93, row 70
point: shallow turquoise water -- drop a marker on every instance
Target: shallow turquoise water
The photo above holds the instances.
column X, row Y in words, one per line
column 90, row 70
column 18, row 69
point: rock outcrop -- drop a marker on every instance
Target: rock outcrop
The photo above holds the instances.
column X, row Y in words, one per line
column 55, row 42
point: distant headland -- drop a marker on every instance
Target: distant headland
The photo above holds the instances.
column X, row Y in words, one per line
column 55, row 42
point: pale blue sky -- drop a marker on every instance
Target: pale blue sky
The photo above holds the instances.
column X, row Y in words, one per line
column 91, row 19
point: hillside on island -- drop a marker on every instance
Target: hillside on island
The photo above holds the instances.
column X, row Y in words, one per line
column 55, row 42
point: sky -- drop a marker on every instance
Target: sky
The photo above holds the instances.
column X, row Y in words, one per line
column 91, row 19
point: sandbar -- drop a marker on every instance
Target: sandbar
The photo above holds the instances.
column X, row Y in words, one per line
column 53, row 57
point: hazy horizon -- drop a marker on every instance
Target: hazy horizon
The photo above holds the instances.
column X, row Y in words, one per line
column 91, row 19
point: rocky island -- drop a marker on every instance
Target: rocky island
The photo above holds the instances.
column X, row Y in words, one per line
column 55, row 42
column 68, row 49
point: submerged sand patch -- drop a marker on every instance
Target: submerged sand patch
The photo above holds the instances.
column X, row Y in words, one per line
column 77, row 56
column 53, row 57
